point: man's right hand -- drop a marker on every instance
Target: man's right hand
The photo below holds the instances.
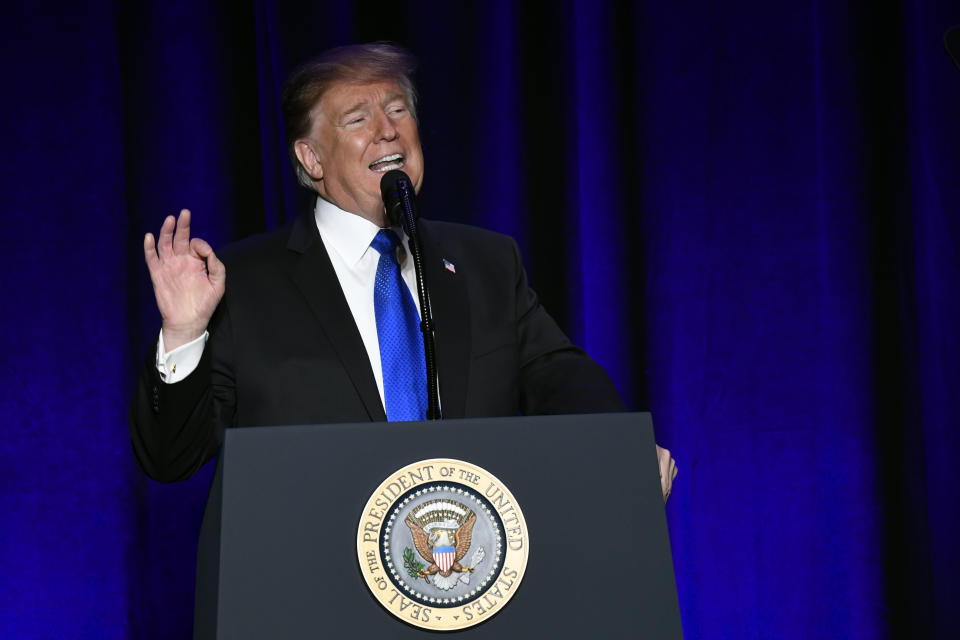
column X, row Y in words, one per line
column 188, row 280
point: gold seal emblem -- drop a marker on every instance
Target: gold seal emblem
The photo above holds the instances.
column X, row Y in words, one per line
column 442, row 544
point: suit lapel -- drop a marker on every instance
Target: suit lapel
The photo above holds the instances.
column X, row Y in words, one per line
column 313, row 274
column 451, row 315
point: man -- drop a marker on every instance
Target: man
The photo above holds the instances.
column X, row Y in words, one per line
column 304, row 333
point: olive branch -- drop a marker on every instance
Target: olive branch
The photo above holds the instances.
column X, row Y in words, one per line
column 413, row 566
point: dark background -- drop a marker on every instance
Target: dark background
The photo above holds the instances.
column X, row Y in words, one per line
column 746, row 211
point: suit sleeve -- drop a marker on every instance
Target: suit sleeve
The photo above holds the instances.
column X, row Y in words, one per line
column 176, row 428
column 556, row 376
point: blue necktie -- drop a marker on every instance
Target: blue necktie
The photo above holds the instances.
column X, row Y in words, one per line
column 398, row 332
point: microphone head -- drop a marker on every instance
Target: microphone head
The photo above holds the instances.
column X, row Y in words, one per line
column 392, row 185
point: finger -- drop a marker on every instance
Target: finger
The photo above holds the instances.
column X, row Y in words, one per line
column 201, row 247
column 675, row 472
column 671, row 474
column 663, row 457
column 165, row 241
column 150, row 252
column 181, row 240
column 215, row 268
column 667, row 481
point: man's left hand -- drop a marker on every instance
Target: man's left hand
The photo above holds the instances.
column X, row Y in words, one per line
column 668, row 471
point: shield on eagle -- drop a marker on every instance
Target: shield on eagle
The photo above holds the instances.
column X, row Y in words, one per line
column 444, row 557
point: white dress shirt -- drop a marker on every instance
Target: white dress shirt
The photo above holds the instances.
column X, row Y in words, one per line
column 347, row 238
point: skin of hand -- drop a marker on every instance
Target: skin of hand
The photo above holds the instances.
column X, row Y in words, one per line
column 188, row 280
column 668, row 471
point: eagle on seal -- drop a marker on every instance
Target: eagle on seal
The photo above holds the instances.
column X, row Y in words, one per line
column 426, row 541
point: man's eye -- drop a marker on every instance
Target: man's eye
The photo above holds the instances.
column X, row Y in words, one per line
column 356, row 120
column 398, row 110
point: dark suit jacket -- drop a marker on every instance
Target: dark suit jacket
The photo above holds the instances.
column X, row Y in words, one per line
column 284, row 348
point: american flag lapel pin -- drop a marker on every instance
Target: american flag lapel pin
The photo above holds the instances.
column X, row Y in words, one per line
column 449, row 266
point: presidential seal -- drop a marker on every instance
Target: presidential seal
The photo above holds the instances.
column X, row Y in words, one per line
column 442, row 544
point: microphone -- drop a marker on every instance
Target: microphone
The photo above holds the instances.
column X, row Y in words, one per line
column 398, row 198
column 399, row 201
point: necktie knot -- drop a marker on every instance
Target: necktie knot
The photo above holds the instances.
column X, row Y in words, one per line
column 386, row 242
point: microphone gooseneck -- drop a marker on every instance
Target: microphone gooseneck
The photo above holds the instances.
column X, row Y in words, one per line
column 399, row 201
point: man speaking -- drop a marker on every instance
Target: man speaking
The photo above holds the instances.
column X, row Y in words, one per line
column 318, row 321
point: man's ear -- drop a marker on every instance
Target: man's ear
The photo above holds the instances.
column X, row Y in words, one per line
column 308, row 159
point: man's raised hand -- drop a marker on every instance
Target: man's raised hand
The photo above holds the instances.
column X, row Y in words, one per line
column 188, row 280
column 668, row 470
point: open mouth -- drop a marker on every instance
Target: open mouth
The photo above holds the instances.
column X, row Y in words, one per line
column 387, row 163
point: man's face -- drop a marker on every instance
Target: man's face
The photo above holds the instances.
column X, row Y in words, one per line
column 361, row 131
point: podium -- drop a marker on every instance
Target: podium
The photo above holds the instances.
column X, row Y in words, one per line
column 277, row 554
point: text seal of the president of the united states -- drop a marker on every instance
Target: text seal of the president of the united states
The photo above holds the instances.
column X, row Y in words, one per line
column 442, row 544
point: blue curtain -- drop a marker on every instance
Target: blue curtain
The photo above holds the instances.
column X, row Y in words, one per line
column 746, row 211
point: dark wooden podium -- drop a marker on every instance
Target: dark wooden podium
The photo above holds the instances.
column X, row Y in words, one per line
column 277, row 550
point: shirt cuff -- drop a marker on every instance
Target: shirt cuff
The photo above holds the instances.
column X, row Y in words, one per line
column 179, row 363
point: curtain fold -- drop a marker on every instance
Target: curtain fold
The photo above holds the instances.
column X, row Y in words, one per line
column 747, row 212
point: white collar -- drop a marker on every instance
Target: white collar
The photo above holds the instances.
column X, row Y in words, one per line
column 348, row 233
